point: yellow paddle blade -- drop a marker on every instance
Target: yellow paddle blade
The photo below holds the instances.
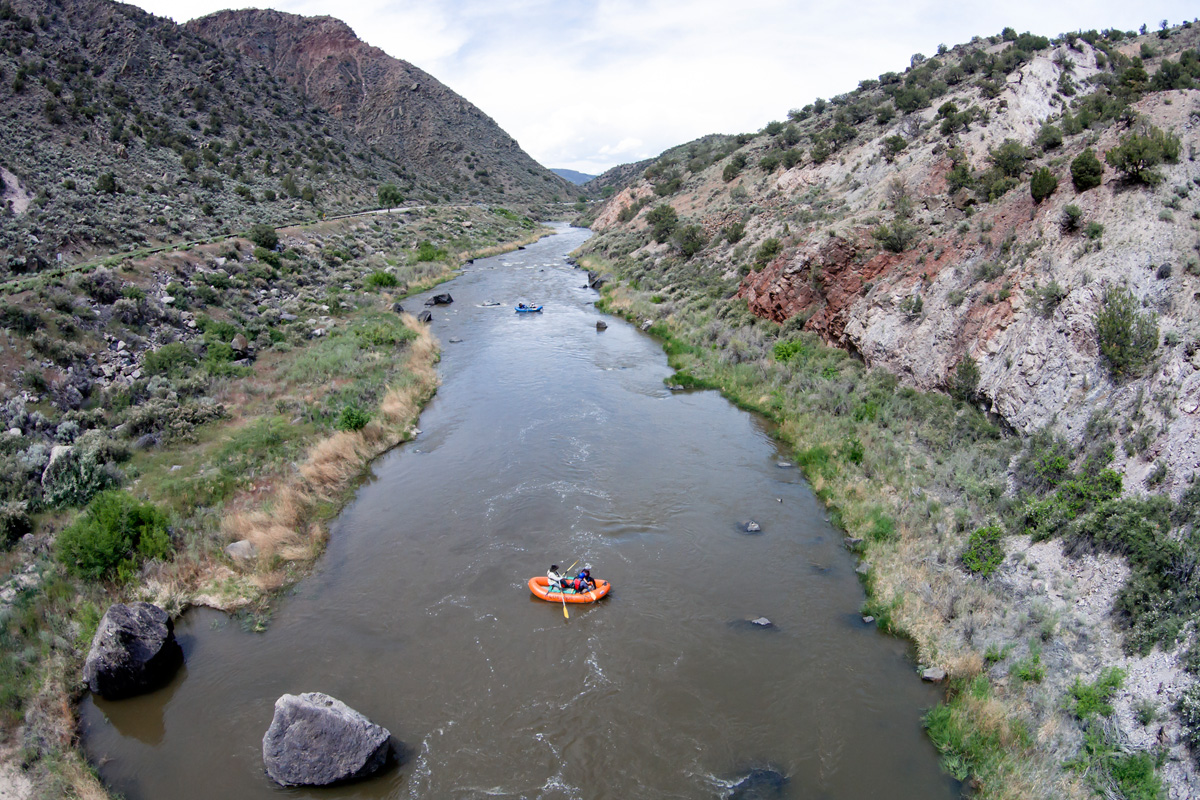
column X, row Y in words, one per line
column 565, row 614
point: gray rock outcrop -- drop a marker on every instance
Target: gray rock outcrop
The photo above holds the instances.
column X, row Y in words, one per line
column 317, row 740
column 134, row 651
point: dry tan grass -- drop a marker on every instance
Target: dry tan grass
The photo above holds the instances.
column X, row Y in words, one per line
column 507, row 247
column 284, row 523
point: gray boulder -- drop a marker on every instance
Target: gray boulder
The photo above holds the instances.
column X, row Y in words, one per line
column 242, row 550
column 316, row 740
column 443, row 299
column 601, row 325
column 596, row 280
column 134, row 651
column 425, row 316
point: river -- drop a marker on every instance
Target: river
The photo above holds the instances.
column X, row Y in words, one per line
column 549, row 442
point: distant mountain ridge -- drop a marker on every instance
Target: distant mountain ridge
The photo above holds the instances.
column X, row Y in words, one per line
column 577, row 178
column 434, row 133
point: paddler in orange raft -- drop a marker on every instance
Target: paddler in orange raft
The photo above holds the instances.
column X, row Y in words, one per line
column 582, row 588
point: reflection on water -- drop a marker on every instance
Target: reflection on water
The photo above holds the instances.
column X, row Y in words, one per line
column 551, row 442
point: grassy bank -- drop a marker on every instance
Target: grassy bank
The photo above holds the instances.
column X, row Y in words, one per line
column 209, row 448
column 930, row 493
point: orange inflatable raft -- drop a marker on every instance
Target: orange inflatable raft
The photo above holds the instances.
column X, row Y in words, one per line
column 540, row 586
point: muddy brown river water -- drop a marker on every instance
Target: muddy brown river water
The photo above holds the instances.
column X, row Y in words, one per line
column 552, row 442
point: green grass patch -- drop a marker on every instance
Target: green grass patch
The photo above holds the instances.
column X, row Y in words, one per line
column 976, row 739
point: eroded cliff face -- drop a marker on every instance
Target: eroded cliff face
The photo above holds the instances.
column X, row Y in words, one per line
column 392, row 104
column 1003, row 282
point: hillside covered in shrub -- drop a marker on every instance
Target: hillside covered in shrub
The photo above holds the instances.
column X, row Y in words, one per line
column 123, row 130
column 968, row 291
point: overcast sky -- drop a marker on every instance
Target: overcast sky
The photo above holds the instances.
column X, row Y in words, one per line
column 589, row 85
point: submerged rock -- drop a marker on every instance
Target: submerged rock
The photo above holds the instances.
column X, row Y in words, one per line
column 601, row 325
column 134, row 651
column 316, row 740
column 759, row 784
column 752, row 527
column 756, row 624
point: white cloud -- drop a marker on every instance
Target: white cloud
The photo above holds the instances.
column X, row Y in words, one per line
column 587, row 85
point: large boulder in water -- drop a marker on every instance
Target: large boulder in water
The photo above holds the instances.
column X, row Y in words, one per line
column 425, row 317
column 443, row 299
column 134, row 651
column 316, row 740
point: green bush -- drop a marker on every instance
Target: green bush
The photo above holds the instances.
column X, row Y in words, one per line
column 689, row 240
column 1029, row 669
column 74, row 478
column 965, row 383
column 1042, row 184
column 14, row 522
column 1095, row 699
column 383, row 333
column 390, row 196
column 734, row 232
column 1086, row 171
column 984, row 552
column 427, row 252
column 113, row 536
column 1009, row 157
column 20, row 320
column 172, row 359
column 1141, row 151
column 353, row 418
column 786, row 351
column 662, row 219
column 268, row 257
column 1189, row 713
column 893, row 146
column 1071, row 218
column 1127, row 337
column 896, row 237
column 734, row 168
column 379, row 279
column 766, row 252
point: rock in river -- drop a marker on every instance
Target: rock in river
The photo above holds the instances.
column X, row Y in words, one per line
column 316, row 740
column 443, row 299
column 759, row 784
column 425, row 317
column 134, row 651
